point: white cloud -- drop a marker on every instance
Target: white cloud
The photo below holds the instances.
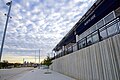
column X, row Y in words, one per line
column 40, row 24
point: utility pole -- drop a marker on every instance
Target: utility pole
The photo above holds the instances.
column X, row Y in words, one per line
column 23, row 60
column 8, row 15
column 39, row 58
column 35, row 57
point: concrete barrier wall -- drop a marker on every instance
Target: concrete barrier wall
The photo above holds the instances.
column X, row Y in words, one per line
column 100, row 61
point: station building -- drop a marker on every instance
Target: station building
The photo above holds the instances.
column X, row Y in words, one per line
column 100, row 22
column 96, row 33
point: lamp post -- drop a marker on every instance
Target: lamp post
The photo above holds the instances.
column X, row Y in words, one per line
column 39, row 60
column 8, row 15
column 35, row 57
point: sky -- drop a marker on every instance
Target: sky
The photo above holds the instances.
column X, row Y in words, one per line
column 38, row 24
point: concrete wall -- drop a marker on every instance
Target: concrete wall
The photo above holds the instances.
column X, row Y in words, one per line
column 100, row 61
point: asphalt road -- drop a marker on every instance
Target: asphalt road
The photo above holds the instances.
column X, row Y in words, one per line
column 13, row 74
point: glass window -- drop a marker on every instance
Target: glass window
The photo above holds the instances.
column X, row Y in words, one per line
column 82, row 35
column 119, row 25
column 87, row 32
column 112, row 29
column 75, row 47
column 70, row 49
column 59, row 51
column 109, row 17
column 82, row 43
column 100, row 24
column 79, row 45
column 93, row 28
column 95, row 37
column 103, row 33
column 79, row 37
column 89, row 40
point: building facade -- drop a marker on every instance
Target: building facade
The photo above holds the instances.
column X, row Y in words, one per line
column 92, row 45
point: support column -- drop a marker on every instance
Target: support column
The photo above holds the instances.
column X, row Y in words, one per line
column 63, row 50
column 77, row 38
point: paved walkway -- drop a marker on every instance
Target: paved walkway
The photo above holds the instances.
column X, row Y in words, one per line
column 39, row 74
column 14, row 73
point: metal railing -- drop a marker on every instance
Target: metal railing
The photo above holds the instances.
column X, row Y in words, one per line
column 109, row 29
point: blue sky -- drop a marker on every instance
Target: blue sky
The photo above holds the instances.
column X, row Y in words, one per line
column 39, row 24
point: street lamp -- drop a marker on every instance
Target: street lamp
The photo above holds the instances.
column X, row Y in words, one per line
column 8, row 15
column 39, row 60
column 35, row 57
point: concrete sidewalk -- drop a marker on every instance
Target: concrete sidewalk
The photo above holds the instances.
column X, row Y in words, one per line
column 14, row 73
column 39, row 74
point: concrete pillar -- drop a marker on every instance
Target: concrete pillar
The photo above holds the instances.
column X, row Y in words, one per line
column 77, row 38
column 63, row 50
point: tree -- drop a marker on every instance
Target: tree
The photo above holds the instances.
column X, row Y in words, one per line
column 47, row 61
column 5, row 64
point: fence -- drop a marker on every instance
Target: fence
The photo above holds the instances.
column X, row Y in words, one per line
column 109, row 29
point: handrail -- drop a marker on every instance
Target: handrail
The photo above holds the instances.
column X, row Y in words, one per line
column 117, row 19
column 102, row 27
